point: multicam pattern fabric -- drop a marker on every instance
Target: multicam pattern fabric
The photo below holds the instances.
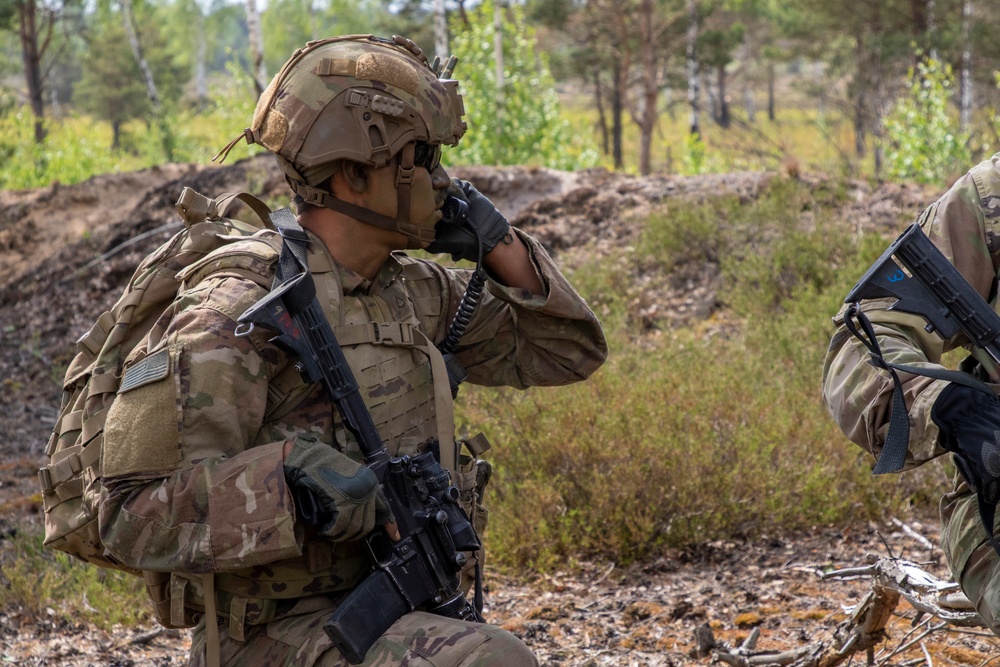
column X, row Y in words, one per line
column 193, row 464
column 387, row 93
column 965, row 224
column 417, row 640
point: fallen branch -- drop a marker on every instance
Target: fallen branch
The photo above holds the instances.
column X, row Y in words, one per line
column 865, row 627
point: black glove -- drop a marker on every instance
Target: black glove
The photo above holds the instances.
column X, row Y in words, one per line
column 969, row 420
column 484, row 225
column 334, row 493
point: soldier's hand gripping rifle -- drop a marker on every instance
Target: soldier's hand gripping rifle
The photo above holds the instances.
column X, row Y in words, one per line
column 421, row 569
column 916, row 273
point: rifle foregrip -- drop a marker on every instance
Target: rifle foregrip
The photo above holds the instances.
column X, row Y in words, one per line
column 365, row 615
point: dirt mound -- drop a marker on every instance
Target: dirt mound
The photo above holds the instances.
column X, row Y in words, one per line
column 67, row 251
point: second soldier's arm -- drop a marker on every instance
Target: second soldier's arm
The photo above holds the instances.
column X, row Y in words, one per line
column 859, row 395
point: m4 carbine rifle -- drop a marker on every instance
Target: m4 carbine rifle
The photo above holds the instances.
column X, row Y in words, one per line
column 421, row 569
column 916, row 273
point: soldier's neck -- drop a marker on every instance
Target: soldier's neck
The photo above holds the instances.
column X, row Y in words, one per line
column 355, row 245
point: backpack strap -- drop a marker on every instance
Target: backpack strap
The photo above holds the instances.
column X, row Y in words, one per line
column 225, row 203
column 194, row 207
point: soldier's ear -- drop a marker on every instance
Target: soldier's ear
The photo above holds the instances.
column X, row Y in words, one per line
column 354, row 174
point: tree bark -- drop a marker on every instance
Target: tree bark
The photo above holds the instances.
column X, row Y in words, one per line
column 440, row 30
column 617, row 107
column 128, row 20
column 723, row 101
column 31, row 55
column 500, row 85
column 200, row 71
column 770, row 90
column 965, row 76
column 931, row 30
column 257, row 68
column 650, row 87
column 860, row 100
column 602, row 119
column 691, row 62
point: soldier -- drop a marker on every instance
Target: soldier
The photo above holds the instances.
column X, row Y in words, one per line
column 944, row 417
column 209, row 456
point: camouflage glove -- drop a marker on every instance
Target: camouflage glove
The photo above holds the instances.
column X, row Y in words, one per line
column 334, row 493
column 969, row 420
column 484, row 226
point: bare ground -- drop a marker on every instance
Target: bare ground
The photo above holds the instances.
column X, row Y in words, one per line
column 51, row 290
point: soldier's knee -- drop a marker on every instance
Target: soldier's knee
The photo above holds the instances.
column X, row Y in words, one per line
column 981, row 585
column 503, row 649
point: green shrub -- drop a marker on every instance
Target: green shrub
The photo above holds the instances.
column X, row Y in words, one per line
column 524, row 127
column 925, row 143
column 36, row 579
column 684, row 437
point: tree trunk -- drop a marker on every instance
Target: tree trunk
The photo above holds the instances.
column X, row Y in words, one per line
column 713, row 101
column 878, row 86
column 749, row 57
column 691, row 62
column 166, row 134
column 257, row 67
column 617, row 107
column 770, row 90
column 602, row 119
column 500, row 84
column 200, row 71
column 128, row 20
column 440, row 30
column 860, row 100
column 650, row 88
column 965, row 76
column 116, row 134
column 723, row 98
column 931, row 29
column 31, row 54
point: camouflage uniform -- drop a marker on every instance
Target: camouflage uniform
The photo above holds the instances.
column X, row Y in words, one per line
column 965, row 224
column 197, row 496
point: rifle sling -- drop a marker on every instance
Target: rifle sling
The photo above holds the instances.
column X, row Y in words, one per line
column 893, row 455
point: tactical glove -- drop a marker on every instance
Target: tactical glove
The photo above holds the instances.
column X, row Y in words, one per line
column 969, row 420
column 485, row 226
column 338, row 496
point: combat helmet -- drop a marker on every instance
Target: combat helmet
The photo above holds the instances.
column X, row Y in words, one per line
column 361, row 98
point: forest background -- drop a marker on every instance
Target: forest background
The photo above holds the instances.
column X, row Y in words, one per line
column 821, row 94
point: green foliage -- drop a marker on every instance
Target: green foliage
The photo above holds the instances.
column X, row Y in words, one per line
column 925, row 143
column 522, row 126
column 35, row 579
column 711, row 432
column 76, row 147
column 112, row 87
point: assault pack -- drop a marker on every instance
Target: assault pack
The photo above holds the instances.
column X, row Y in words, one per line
column 70, row 480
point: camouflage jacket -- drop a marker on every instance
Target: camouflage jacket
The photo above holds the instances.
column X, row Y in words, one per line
column 965, row 224
column 193, row 450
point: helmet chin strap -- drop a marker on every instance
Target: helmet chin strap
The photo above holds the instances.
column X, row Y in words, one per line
column 416, row 235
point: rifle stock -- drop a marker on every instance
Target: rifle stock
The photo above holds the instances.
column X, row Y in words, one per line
column 931, row 287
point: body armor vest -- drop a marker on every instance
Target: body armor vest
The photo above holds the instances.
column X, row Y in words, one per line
column 403, row 382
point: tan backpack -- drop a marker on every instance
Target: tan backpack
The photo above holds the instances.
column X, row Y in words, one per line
column 70, row 481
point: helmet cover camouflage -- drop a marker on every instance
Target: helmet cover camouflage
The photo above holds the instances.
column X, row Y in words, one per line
column 360, row 98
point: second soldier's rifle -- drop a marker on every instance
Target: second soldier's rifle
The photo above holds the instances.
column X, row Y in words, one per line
column 421, row 569
column 922, row 280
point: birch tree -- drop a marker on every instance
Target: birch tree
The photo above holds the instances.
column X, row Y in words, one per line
column 257, row 68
